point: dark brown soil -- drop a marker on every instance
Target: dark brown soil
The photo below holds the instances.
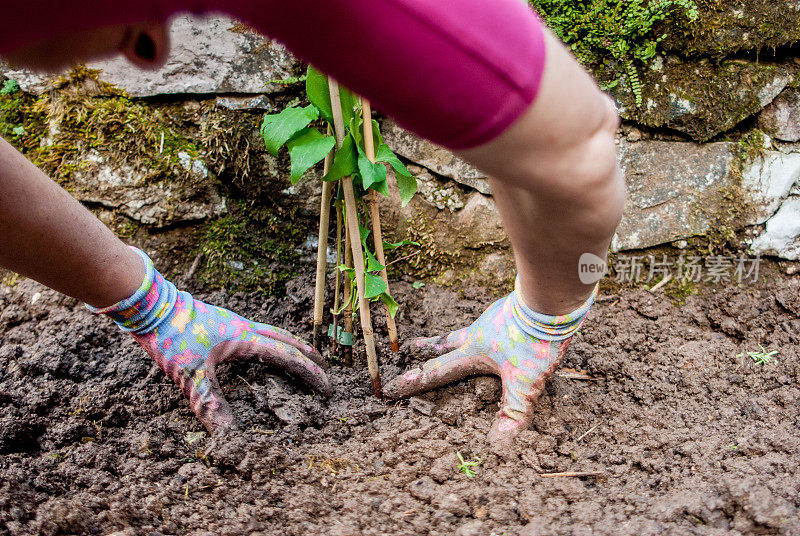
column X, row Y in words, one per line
column 688, row 437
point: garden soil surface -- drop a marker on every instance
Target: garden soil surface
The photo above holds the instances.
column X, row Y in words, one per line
column 684, row 432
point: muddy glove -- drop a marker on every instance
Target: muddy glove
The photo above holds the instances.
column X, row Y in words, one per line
column 188, row 339
column 511, row 340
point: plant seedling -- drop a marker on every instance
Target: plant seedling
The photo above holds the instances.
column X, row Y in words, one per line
column 760, row 358
column 466, row 466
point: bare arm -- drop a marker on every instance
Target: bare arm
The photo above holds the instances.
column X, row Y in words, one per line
column 556, row 181
column 47, row 235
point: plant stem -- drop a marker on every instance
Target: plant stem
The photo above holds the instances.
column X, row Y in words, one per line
column 322, row 251
column 375, row 218
column 351, row 219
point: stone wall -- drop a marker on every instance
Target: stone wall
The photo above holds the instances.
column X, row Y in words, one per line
column 716, row 140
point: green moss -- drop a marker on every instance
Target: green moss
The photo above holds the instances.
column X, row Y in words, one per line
column 680, row 289
column 432, row 260
column 9, row 278
column 20, row 123
column 613, row 37
column 751, row 145
column 725, row 28
column 251, row 249
column 725, row 211
column 82, row 113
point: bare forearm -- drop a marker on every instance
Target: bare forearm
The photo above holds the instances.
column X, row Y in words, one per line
column 556, row 182
column 46, row 235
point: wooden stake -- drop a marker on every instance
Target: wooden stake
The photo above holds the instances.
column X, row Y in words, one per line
column 322, row 251
column 351, row 220
column 375, row 218
column 338, row 279
column 348, row 296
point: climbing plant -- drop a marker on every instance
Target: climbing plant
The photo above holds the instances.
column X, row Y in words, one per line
column 307, row 146
column 624, row 30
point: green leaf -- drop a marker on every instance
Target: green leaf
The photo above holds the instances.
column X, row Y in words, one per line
column 382, row 188
column 372, row 263
column 320, row 96
column 356, row 126
column 388, row 246
column 374, row 286
column 391, row 305
column 307, row 148
column 349, row 272
column 407, row 186
column 370, row 173
column 349, row 104
column 318, row 93
column 376, row 133
column 385, row 154
column 364, row 232
column 406, row 182
column 345, row 162
column 351, row 277
column 277, row 129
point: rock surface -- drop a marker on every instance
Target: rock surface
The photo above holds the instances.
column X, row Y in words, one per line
column 119, row 187
column 781, row 119
column 723, row 28
column 768, row 181
column 703, row 99
column 208, row 55
column 442, row 196
column 433, row 157
column 674, row 190
column 666, row 183
column 782, row 235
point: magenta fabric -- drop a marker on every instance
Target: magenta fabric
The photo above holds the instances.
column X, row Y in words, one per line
column 457, row 72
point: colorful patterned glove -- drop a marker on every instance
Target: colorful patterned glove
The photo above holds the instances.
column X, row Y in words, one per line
column 188, row 339
column 511, row 340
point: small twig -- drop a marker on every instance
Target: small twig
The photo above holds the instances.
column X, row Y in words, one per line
column 161, row 146
column 572, row 374
column 193, row 268
column 661, row 283
column 406, row 257
column 571, row 474
column 535, row 466
column 249, row 387
column 587, row 432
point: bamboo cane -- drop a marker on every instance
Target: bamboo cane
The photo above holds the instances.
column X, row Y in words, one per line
column 337, row 279
column 347, row 315
column 322, row 251
column 375, row 218
column 351, row 220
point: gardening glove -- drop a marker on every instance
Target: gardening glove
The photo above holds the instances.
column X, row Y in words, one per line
column 511, row 340
column 189, row 338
